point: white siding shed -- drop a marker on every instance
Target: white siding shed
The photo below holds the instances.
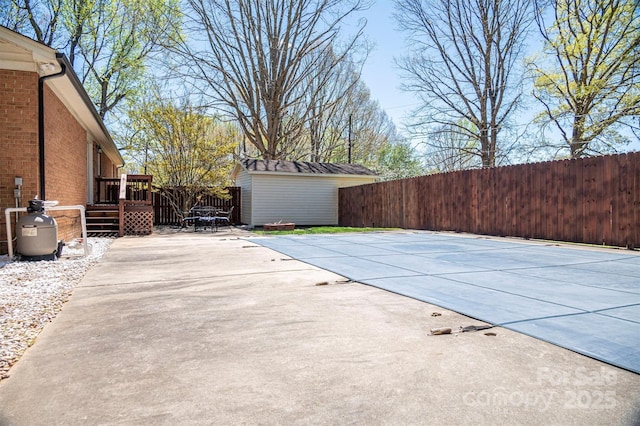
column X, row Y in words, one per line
column 294, row 191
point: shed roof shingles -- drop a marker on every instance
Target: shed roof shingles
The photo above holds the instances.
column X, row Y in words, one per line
column 253, row 165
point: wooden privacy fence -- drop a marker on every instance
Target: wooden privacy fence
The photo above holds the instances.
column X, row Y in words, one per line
column 163, row 213
column 591, row 200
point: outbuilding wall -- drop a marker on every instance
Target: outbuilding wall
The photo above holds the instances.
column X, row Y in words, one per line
column 302, row 199
column 243, row 180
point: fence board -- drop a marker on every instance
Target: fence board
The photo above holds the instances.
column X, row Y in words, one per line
column 549, row 212
column 631, row 187
column 505, row 216
column 591, row 213
column 594, row 200
column 163, row 213
column 536, row 200
column 636, row 202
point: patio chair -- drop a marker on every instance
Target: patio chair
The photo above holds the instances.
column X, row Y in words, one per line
column 201, row 216
column 222, row 217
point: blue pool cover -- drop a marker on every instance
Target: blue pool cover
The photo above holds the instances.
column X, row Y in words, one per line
column 583, row 299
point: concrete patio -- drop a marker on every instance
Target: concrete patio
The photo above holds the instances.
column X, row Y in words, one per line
column 210, row 328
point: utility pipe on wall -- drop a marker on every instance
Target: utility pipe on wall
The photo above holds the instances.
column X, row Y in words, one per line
column 41, row 80
column 7, row 215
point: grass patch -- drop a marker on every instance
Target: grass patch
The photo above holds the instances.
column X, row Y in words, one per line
column 323, row 230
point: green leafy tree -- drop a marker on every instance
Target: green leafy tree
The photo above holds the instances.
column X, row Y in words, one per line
column 118, row 39
column 592, row 84
column 188, row 152
column 108, row 42
column 399, row 160
column 39, row 19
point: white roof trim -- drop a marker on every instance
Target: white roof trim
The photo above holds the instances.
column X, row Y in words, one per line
column 317, row 175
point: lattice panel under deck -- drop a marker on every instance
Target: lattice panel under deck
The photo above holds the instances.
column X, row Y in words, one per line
column 138, row 223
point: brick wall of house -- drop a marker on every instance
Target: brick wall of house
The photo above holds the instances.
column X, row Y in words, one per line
column 18, row 140
column 113, row 169
column 108, row 169
column 65, row 164
column 65, row 152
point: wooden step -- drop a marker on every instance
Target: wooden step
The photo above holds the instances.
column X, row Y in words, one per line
column 103, row 225
column 103, row 234
column 103, row 221
column 102, row 207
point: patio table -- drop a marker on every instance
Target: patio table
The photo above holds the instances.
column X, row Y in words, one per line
column 201, row 216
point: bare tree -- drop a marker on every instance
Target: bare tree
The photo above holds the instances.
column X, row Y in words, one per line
column 371, row 129
column 355, row 123
column 592, row 81
column 448, row 150
column 12, row 17
column 256, row 56
column 329, row 109
column 343, row 112
column 463, row 64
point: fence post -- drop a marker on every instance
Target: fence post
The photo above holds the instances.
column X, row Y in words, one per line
column 121, row 198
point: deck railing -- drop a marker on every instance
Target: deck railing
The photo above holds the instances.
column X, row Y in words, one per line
column 107, row 190
column 132, row 195
column 137, row 187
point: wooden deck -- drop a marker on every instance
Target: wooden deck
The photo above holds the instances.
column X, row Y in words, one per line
column 123, row 207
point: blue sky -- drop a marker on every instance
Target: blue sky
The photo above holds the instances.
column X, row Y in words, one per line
column 379, row 72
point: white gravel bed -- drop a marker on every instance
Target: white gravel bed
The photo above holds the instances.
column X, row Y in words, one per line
column 32, row 293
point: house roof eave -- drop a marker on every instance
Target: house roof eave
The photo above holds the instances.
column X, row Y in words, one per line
column 79, row 100
column 304, row 168
column 312, row 175
column 22, row 53
column 235, row 171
